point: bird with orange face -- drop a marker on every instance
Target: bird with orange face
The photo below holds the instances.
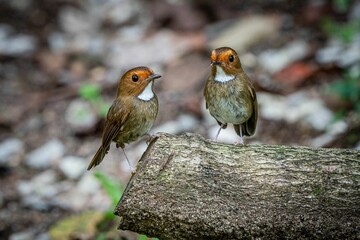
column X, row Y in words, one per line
column 132, row 114
column 229, row 94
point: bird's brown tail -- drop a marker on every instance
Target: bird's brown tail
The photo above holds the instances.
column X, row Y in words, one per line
column 99, row 156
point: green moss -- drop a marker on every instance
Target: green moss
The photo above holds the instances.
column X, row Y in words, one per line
column 318, row 190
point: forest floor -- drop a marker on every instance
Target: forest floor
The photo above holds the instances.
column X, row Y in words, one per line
column 60, row 63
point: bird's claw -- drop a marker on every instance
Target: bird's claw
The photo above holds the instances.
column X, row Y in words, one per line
column 151, row 137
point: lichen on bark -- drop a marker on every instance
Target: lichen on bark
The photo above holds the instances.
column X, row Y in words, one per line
column 187, row 187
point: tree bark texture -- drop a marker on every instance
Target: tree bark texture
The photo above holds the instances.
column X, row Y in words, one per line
column 186, row 187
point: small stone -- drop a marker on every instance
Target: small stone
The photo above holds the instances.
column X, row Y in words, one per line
column 187, row 123
column 57, row 41
column 42, row 236
column 330, row 53
column 15, row 45
column 183, row 123
column 80, row 116
column 46, row 155
column 72, row 167
column 162, row 47
column 131, row 33
column 41, row 192
column 25, row 235
column 319, row 118
column 75, row 21
column 36, row 202
column 36, row 192
column 83, row 196
column 20, row 5
column 275, row 60
column 18, row 45
column 5, row 31
column 245, row 32
column 272, row 106
column 88, row 184
column 351, row 54
column 73, row 199
column 355, row 11
column 357, row 147
column 333, row 131
column 121, row 12
column 344, row 55
column 295, row 108
column 337, row 127
column 10, row 150
column 38, row 183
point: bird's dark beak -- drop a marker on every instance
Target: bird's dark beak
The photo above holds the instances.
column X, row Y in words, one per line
column 217, row 63
column 154, row 76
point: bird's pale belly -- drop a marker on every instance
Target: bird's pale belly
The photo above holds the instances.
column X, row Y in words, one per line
column 141, row 122
column 228, row 111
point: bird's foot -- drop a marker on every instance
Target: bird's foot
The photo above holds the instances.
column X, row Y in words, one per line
column 151, row 137
column 132, row 169
column 241, row 142
column 120, row 145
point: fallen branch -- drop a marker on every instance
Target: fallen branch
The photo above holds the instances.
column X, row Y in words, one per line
column 187, row 187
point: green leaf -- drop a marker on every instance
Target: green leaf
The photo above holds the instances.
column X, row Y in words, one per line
column 90, row 92
column 76, row 225
column 144, row 237
column 102, row 108
column 101, row 236
column 348, row 89
column 343, row 31
column 342, row 5
column 113, row 189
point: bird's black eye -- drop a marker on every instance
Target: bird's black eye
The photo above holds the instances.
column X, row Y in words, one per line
column 231, row 58
column 135, row 78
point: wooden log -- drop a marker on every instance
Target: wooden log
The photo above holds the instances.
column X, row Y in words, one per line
column 186, row 187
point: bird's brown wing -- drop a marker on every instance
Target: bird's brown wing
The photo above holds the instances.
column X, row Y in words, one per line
column 117, row 115
column 205, row 93
column 250, row 126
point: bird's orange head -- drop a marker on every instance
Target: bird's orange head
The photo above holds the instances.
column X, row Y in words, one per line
column 227, row 58
column 135, row 80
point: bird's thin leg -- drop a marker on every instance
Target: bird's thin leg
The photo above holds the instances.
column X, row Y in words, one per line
column 127, row 159
column 151, row 137
column 218, row 132
column 241, row 137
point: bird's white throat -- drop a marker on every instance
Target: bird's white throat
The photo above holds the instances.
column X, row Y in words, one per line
column 221, row 76
column 147, row 94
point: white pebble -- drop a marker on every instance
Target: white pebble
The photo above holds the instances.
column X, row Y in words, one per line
column 73, row 167
column 9, row 148
column 46, row 155
column 183, row 123
column 274, row 60
column 80, row 116
column 297, row 107
column 88, row 184
column 25, row 235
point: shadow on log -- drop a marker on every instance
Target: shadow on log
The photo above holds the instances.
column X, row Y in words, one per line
column 186, row 187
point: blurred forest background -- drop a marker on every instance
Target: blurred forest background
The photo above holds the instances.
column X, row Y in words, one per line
column 61, row 60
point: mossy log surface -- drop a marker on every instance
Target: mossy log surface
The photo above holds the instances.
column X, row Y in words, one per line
column 187, row 187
